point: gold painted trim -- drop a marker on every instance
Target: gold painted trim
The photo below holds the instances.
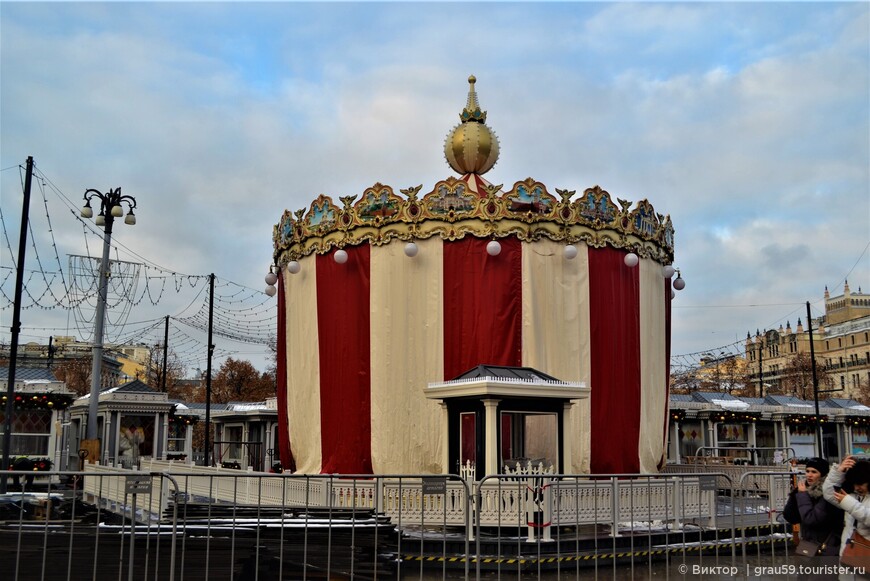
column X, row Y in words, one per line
column 452, row 210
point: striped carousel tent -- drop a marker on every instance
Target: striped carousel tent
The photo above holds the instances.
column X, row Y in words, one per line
column 383, row 294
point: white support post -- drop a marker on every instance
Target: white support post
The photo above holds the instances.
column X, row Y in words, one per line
column 491, row 435
column 567, row 439
column 445, row 439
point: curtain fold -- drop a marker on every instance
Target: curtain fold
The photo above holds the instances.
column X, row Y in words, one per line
column 406, row 325
column 556, row 327
column 482, row 305
column 654, row 365
column 284, row 452
column 615, row 335
column 303, row 369
column 343, row 333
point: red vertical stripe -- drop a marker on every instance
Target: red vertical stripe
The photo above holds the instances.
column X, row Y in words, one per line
column 614, row 321
column 284, row 451
column 343, row 324
column 482, row 305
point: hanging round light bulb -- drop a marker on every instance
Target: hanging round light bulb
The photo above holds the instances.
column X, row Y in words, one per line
column 679, row 283
column 271, row 277
column 673, row 294
column 570, row 252
column 271, row 290
column 631, row 260
column 493, row 248
column 668, row 271
column 340, row 256
column 411, row 250
column 293, row 267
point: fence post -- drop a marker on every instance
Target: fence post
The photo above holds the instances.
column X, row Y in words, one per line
column 548, row 511
column 677, row 500
column 379, row 495
column 614, row 506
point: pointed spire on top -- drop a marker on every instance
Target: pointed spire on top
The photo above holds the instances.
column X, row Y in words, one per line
column 472, row 110
column 846, row 288
column 827, row 294
column 471, row 147
column 800, row 327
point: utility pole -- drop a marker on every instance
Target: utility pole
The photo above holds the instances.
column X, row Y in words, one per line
column 16, row 325
column 815, row 381
column 165, row 349
column 208, row 367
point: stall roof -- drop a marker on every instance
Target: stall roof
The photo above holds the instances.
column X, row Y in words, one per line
column 780, row 403
column 30, row 374
column 501, row 372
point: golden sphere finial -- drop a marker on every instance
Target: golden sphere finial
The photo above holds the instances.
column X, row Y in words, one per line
column 471, row 147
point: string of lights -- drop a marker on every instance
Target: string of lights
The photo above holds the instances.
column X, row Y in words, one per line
column 241, row 314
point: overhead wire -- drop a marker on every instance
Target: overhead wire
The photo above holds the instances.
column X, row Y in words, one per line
column 246, row 313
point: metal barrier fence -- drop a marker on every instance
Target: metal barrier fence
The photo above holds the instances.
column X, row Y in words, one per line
column 202, row 523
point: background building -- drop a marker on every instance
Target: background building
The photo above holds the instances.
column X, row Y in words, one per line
column 779, row 360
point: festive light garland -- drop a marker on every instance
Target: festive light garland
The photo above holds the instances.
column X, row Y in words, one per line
column 25, row 463
column 735, row 417
column 188, row 420
column 805, row 420
column 47, row 401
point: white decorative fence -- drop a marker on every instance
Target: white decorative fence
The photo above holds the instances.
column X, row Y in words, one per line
column 774, row 481
column 530, row 499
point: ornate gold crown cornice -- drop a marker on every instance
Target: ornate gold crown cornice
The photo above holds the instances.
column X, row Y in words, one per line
column 451, row 210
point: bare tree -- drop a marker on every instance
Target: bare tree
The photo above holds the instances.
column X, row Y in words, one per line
column 685, row 381
column 153, row 373
column 76, row 373
column 861, row 392
column 797, row 377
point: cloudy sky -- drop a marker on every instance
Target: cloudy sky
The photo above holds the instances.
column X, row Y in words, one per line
column 748, row 123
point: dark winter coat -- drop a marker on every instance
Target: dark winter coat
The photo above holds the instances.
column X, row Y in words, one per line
column 820, row 520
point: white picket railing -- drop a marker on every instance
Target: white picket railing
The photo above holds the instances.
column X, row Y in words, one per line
column 508, row 500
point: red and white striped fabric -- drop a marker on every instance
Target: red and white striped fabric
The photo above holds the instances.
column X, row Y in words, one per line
column 360, row 341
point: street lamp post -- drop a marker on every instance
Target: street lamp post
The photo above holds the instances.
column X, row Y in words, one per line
column 110, row 208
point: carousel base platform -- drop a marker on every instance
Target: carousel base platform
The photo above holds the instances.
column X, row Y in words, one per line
column 585, row 548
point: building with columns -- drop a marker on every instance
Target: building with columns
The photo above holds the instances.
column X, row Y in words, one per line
column 133, row 421
column 841, row 341
column 764, row 430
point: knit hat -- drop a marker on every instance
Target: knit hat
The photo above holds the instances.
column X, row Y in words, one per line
column 819, row 464
column 859, row 473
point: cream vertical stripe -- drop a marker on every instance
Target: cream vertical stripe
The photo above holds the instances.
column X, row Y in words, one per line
column 653, row 371
column 407, row 353
column 556, row 334
column 303, row 367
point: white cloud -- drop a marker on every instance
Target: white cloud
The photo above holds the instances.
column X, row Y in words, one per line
column 746, row 123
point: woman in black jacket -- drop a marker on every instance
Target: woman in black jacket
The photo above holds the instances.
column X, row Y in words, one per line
column 819, row 520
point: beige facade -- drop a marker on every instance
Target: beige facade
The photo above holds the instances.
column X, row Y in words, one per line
column 120, row 362
column 778, row 360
